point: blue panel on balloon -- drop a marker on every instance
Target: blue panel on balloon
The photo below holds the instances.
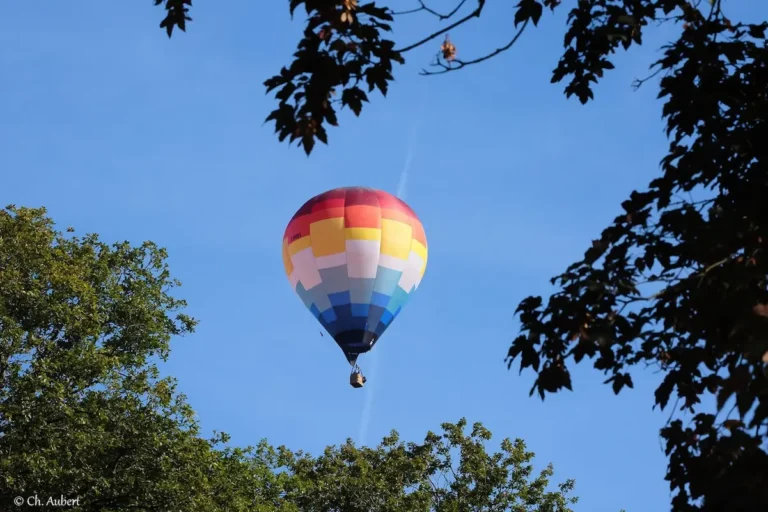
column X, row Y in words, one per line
column 380, row 299
column 304, row 295
column 313, row 309
column 386, row 317
column 335, row 278
column 329, row 315
column 386, row 280
column 332, row 328
column 343, row 316
column 326, row 325
column 380, row 329
column 399, row 298
column 357, row 323
column 374, row 315
column 360, row 310
column 360, row 290
column 339, row 299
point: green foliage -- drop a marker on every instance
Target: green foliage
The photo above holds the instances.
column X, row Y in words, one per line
column 83, row 411
column 450, row 472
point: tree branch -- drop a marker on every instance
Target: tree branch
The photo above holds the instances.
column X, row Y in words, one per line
column 638, row 82
column 473, row 14
column 424, row 7
column 461, row 63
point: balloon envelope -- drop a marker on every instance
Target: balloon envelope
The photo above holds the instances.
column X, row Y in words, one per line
column 354, row 255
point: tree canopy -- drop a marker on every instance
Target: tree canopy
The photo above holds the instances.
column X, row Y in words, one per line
column 83, row 410
column 451, row 471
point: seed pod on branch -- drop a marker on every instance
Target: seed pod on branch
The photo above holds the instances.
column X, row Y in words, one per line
column 448, row 49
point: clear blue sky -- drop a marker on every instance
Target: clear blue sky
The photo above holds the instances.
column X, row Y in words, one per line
column 119, row 131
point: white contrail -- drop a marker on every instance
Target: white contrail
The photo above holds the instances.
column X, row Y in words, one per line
column 365, row 419
column 402, row 186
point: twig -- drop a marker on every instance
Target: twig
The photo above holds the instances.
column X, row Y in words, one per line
column 462, row 63
column 424, row 7
column 715, row 10
column 473, row 14
column 669, row 420
column 714, row 265
column 639, row 82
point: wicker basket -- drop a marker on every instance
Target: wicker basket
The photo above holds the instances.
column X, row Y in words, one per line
column 356, row 380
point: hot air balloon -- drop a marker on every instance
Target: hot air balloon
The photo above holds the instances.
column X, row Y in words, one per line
column 354, row 255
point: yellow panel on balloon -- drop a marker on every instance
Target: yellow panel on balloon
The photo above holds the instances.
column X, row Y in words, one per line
column 298, row 245
column 420, row 250
column 327, row 236
column 363, row 233
column 395, row 238
column 287, row 259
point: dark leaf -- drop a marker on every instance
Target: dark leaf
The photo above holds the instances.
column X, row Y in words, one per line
column 354, row 98
column 308, row 142
column 528, row 10
column 757, row 31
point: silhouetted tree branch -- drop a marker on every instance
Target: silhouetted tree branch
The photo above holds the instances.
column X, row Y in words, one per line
column 474, row 14
column 461, row 63
column 423, row 7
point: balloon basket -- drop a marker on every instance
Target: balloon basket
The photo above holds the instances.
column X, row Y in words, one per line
column 356, row 380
